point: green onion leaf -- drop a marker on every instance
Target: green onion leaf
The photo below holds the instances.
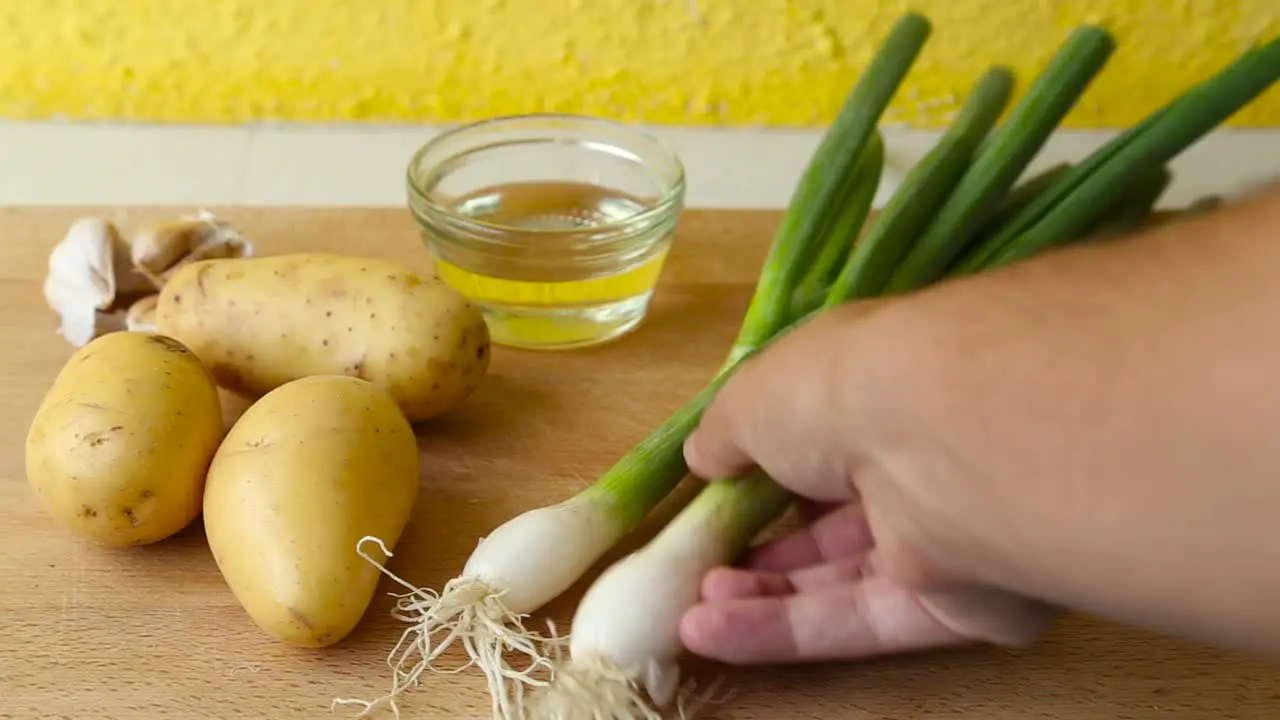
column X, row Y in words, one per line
column 1020, row 198
column 978, row 257
column 844, row 232
column 1184, row 122
column 1005, row 157
column 924, row 189
column 1135, row 206
column 821, row 188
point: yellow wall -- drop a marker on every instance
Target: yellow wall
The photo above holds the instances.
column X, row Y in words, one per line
column 775, row 62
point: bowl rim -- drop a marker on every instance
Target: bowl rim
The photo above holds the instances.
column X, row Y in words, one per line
column 671, row 199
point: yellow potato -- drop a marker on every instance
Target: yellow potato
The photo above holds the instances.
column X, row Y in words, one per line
column 261, row 322
column 119, row 447
column 307, row 471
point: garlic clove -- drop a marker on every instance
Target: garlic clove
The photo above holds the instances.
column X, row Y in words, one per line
column 88, row 277
column 75, row 309
column 80, row 327
column 80, row 321
column 160, row 249
column 157, row 247
column 142, row 315
column 85, row 259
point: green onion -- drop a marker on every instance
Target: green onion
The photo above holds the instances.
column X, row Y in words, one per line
column 740, row 506
column 1184, row 122
column 809, row 294
column 1024, row 219
column 1004, row 157
column 1016, row 203
column 922, row 192
column 1020, row 198
column 826, row 181
column 1124, row 213
column 1135, row 206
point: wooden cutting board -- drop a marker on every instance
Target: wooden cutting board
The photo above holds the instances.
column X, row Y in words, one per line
column 88, row 633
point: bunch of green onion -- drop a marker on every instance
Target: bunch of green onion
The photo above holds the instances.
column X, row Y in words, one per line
column 960, row 210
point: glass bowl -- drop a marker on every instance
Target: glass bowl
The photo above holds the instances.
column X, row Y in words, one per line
column 555, row 226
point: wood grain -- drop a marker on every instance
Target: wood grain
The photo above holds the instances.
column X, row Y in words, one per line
column 88, row 633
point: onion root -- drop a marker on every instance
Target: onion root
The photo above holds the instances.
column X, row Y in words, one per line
column 470, row 612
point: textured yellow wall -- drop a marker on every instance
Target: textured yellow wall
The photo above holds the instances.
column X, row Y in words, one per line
column 775, row 62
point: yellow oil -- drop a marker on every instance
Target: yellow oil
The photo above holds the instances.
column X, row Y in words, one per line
column 541, row 290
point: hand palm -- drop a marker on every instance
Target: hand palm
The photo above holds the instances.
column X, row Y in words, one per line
column 816, row 594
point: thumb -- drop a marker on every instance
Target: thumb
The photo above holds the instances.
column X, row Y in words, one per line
column 714, row 449
column 780, row 411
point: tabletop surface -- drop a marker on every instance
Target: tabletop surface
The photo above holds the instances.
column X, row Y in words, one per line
column 91, row 633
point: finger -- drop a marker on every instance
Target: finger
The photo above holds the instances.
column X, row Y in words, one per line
column 711, row 452
column 724, row 442
column 728, row 583
column 844, row 622
column 837, row 572
column 779, row 411
column 839, row 534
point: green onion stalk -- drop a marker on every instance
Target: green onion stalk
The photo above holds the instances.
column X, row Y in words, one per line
column 1019, row 199
column 1004, row 156
column 1134, row 207
column 1171, row 131
column 625, row 645
column 531, row 559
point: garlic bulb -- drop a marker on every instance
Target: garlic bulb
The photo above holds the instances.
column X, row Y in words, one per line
column 89, row 272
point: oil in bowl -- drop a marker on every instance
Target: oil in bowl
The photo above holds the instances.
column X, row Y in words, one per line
column 514, row 277
column 555, row 226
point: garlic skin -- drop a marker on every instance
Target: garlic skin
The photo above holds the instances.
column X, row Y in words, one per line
column 160, row 249
column 89, row 270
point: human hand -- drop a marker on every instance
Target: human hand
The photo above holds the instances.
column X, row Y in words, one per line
column 884, row 562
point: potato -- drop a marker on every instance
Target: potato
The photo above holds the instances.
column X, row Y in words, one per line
column 304, row 474
column 261, row 322
column 119, row 447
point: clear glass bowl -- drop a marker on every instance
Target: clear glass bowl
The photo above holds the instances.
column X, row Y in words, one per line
column 555, row 226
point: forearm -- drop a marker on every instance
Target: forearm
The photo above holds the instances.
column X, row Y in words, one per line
column 1120, row 405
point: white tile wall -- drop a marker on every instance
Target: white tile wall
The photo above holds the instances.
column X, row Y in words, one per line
column 58, row 163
